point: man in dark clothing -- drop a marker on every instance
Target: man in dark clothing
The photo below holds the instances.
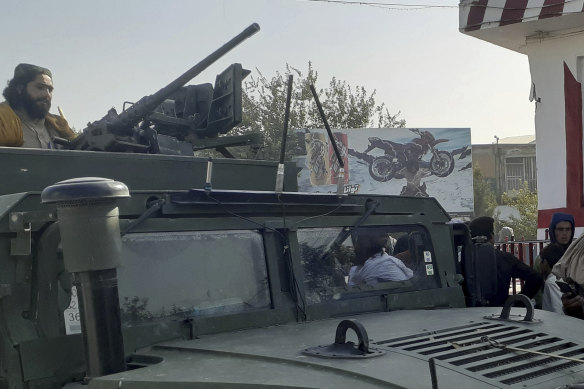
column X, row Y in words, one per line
column 561, row 232
column 508, row 266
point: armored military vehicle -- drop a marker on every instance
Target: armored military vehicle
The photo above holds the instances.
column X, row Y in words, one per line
column 175, row 272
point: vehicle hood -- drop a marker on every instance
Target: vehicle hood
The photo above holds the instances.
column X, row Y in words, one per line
column 273, row 356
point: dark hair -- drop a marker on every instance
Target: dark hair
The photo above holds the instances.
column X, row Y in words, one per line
column 13, row 92
column 482, row 226
column 23, row 74
column 367, row 242
column 552, row 253
column 402, row 244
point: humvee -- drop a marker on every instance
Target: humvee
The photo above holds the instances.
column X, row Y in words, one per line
column 137, row 270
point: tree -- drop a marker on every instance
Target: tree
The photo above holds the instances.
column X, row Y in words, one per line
column 264, row 102
column 524, row 227
column 484, row 197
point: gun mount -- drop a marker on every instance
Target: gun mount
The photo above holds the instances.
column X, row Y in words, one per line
column 177, row 118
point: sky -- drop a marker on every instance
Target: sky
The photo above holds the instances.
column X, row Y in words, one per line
column 103, row 53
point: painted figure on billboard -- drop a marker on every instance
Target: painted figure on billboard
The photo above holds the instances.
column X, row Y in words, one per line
column 321, row 159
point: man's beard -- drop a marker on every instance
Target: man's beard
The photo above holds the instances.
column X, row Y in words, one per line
column 36, row 109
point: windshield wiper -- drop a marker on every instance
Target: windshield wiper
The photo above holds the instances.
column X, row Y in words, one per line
column 370, row 207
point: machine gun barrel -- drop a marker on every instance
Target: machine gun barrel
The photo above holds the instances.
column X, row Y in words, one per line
column 133, row 115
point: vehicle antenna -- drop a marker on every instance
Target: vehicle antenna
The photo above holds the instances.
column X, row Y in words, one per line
column 341, row 175
column 280, row 174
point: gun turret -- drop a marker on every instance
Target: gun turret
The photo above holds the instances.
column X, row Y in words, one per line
column 131, row 130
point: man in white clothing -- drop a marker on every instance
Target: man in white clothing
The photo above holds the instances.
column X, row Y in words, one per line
column 373, row 264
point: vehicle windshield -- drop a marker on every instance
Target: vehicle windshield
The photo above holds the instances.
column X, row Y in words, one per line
column 191, row 274
column 214, row 273
column 405, row 261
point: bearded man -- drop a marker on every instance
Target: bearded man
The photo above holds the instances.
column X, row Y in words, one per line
column 25, row 120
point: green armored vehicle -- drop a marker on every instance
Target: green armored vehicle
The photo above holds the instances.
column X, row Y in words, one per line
column 202, row 275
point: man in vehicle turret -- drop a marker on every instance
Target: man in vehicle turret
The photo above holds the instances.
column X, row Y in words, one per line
column 508, row 266
column 25, row 120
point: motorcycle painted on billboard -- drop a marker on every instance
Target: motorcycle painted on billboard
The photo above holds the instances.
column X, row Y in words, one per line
column 398, row 156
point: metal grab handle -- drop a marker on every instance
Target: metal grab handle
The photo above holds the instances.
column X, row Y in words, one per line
column 518, row 298
column 341, row 335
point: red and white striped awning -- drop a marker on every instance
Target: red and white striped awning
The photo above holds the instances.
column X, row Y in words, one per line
column 481, row 14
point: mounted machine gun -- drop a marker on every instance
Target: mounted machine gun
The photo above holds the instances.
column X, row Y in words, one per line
column 177, row 119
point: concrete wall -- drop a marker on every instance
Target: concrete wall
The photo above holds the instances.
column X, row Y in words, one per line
column 551, row 61
column 484, row 157
column 551, row 33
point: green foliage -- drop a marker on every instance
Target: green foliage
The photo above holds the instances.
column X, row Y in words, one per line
column 524, row 227
column 264, row 103
column 484, row 197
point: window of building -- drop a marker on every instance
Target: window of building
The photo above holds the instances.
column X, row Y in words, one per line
column 519, row 170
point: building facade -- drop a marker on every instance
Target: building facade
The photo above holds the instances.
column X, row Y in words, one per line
column 551, row 34
column 507, row 163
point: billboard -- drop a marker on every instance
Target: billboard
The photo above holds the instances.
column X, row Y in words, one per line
column 421, row 162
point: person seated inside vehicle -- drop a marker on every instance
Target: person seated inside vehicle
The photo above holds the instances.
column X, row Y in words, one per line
column 372, row 263
column 402, row 251
column 402, row 247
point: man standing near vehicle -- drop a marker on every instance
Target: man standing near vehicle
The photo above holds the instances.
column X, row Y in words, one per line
column 562, row 229
column 561, row 232
column 570, row 268
column 508, row 266
column 24, row 117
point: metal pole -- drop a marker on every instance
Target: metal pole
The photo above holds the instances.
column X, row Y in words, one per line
column 341, row 175
column 326, row 125
column 280, row 173
column 286, row 118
